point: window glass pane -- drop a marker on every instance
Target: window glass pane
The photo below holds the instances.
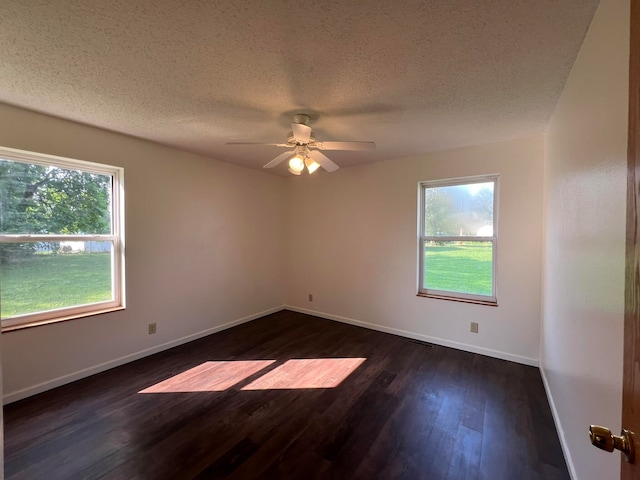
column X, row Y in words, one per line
column 462, row 267
column 459, row 210
column 37, row 199
column 36, row 277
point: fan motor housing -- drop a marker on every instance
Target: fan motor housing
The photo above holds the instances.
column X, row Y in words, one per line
column 292, row 142
column 301, row 118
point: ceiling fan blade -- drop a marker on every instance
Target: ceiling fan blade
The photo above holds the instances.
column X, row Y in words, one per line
column 346, row 145
column 324, row 162
column 302, row 133
column 279, row 159
column 257, row 143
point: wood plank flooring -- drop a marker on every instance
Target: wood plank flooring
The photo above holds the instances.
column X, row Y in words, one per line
column 400, row 409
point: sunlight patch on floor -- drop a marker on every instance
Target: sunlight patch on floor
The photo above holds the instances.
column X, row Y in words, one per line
column 218, row 376
column 210, row 377
column 307, row 373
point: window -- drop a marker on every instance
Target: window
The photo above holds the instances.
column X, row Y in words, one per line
column 61, row 238
column 458, row 239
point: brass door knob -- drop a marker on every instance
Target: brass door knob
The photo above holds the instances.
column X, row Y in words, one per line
column 602, row 438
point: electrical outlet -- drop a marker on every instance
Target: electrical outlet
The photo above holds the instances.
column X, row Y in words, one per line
column 152, row 328
column 311, row 297
column 474, row 327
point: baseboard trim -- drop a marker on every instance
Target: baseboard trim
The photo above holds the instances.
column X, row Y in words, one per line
column 556, row 420
column 86, row 372
column 418, row 336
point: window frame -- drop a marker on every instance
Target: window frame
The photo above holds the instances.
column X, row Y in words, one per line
column 491, row 300
column 116, row 238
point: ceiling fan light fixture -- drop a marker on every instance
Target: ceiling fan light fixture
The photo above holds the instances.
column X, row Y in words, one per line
column 311, row 164
column 296, row 165
column 306, row 149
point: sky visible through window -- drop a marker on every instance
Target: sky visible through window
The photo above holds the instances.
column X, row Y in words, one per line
column 459, row 210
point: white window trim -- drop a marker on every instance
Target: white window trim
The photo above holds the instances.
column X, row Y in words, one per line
column 116, row 238
column 423, row 239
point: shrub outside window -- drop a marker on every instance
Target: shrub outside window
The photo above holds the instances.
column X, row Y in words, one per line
column 458, row 232
column 61, row 238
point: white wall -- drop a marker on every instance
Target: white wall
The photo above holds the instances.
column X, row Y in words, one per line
column 204, row 247
column 353, row 244
column 585, row 187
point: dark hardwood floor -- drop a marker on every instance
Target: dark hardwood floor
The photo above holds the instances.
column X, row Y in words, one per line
column 408, row 411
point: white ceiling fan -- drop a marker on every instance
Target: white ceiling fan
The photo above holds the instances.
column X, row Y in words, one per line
column 306, row 149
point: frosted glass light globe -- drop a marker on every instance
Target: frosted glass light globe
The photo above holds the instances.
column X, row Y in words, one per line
column 296, row 164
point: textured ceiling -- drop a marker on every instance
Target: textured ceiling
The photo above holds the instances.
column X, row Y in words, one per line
column 412, row 76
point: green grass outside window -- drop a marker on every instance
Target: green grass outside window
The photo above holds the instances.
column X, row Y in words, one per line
column 46, row 281
column 459, row 267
